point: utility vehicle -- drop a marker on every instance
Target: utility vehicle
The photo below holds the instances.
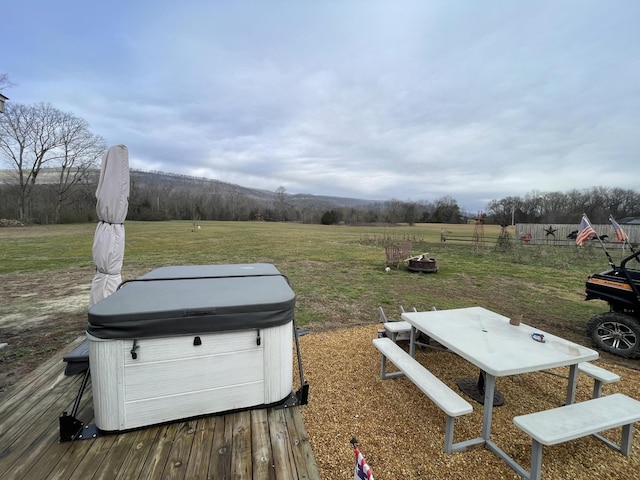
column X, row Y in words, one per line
column 618, row 330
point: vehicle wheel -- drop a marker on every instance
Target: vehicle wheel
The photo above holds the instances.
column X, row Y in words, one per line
column 615, row 333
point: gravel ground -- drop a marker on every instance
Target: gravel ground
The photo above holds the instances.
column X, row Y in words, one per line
column 401, row 432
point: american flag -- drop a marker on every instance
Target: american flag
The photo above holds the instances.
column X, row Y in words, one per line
column 362, row 470
column 585, row 231
column 617, row 229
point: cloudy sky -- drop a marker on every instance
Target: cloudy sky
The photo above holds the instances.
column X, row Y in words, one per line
column 412, row 100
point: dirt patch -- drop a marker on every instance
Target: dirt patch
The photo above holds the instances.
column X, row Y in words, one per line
column 40, row 313
column 40, row 310
column 32, row 344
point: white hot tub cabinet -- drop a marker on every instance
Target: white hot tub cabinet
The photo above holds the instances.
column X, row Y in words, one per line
column 187, row 341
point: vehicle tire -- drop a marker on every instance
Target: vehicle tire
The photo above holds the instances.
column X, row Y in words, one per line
column 615, row 333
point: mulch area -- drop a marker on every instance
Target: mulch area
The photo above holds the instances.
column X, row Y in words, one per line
column 401, row 432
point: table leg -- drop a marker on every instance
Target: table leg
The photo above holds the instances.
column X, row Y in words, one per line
column 572, row 385
column 475, row 388
column 487, row 410
column 412, row 341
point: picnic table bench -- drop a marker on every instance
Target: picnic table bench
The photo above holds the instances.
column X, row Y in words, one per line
column 570, row 422
column 444, row 397
column 599, row 375
column 399, row 330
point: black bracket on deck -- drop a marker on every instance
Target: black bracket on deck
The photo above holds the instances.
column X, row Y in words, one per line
column 303, row 394
column 70, row 427
column 301, row 397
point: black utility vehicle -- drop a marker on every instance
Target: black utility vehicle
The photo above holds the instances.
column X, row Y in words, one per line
column 618, row 330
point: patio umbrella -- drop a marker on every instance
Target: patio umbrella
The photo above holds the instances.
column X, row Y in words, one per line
column 112, row 197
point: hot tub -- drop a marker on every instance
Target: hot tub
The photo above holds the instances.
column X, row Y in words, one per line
column 185, row 341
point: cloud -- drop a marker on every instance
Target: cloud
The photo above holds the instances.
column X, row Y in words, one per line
column 407, row 100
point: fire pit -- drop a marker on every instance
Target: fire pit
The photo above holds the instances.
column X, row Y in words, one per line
column 422, row 264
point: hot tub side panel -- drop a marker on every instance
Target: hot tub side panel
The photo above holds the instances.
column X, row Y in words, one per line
column 185, row 376
column 107, row 361
column 172, row 378
column 278, row 363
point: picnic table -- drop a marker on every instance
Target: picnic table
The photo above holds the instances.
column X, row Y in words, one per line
column 487, row 340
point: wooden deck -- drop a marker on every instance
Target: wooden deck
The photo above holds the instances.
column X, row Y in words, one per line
column 257, row 444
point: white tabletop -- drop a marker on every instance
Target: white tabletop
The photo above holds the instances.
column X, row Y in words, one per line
column 487, row 340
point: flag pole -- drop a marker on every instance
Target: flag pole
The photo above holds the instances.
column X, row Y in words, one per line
column 606, row 252
column 362, row 470
column 625, row 236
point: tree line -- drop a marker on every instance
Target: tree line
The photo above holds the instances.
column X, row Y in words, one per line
column 160, row 197
column 565, row 207
column 53, row 158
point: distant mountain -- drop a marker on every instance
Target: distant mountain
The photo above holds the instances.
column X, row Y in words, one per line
column 174, row 180
column 185, row 181
column 305, row 198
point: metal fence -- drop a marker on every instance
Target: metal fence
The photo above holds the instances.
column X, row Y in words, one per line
column 560, row 234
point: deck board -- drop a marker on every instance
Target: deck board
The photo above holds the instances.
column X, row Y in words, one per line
column 267, row 444
column 201, row 448
column 261, row 446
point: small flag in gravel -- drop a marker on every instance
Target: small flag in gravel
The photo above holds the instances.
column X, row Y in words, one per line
column 362, row 470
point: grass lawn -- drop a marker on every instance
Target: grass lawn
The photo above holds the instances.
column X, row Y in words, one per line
column 337, row 272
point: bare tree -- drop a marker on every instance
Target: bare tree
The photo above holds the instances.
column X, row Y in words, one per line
column 394, row 210
column 79, row 153
column 4, row 81
column 16, row 143
column 38, row 136
column 27, row 136
column 282, row 203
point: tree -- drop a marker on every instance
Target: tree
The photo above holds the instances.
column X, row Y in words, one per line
column 504, row 211
column 394, row 211
column 79, row 152
column 38, row 136
column 4, row 81
column 25, row 139
column 446, row 210
column 282, row 203
column 330, row 217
